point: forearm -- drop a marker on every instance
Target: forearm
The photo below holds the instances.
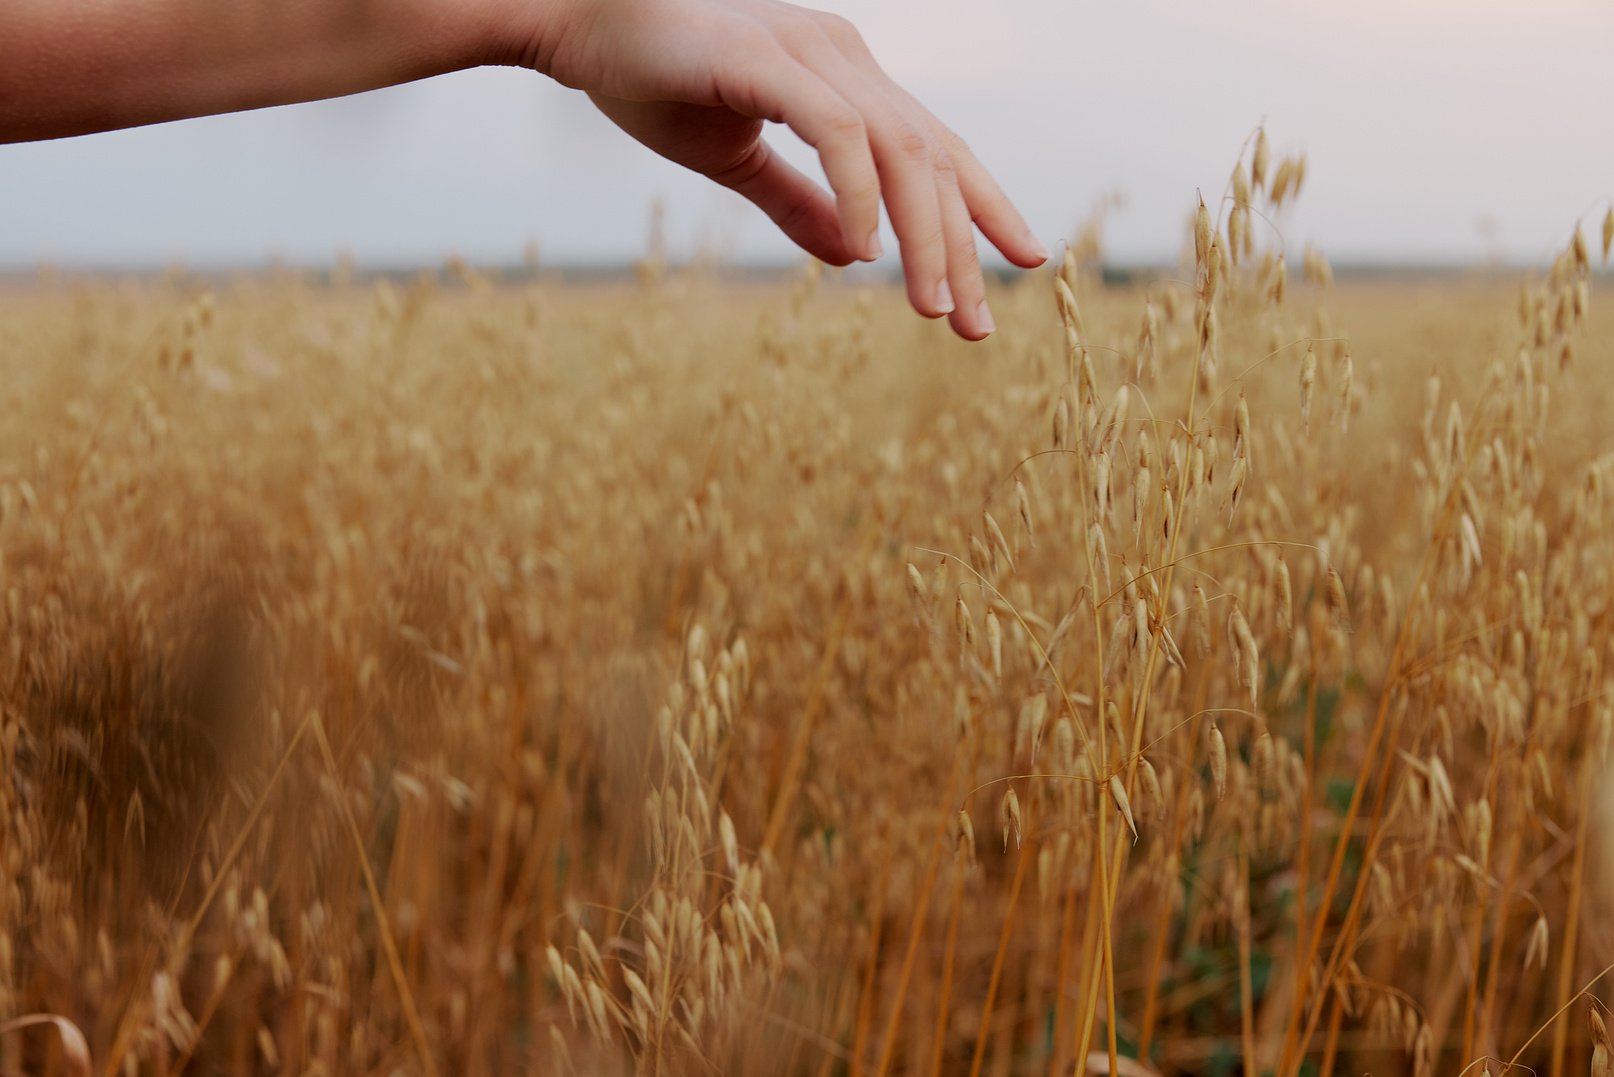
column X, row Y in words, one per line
column 69, row 67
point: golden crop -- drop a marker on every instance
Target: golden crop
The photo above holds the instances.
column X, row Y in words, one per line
column 471, row 677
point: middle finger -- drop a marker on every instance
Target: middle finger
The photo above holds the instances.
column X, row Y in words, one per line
column 906, row 155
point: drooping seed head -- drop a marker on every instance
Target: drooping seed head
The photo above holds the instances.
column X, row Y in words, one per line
column 1150, row 780
column 1202, row 235
column 994, row 643
column 1009, row 816
column 1200, row 622
column 1283, row 597
column 1022, row 506
column 1218, row 761
column 964, row 833
column 1264, row 760
column 916, row 587
column 1122, row 804
column 1334, row 595
column 1308, row 381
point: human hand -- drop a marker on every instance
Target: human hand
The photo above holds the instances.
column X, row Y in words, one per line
column 694, row 80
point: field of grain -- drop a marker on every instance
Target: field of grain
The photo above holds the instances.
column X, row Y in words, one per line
column 474, row 675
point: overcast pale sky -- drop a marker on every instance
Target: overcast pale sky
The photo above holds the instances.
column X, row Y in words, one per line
column 1421, row 118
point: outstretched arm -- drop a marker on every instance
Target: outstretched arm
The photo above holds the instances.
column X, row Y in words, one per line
column 691, row 79
column 70, row 67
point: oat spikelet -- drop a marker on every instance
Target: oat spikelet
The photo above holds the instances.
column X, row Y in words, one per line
column 1218, row 761
column 1577, row 249
column 1062, row 424
column 1283, row 597
column 598, row 1013
column 1308, row 381
column 1334, row 595
column 1602, row 1050
column 1000, row 544
column 1140, row 497
column 938, row 591
column 590, row 952
column 1280, row 281
column 982, row 558
column 1009, row 816
column 1608, row 233
column 1236, row 481
column 1151, row 787
column 1119, row 645
column 1022, row 505
column 1264, row 759
column 965, row 623
column 1123, row 805
column 1241, row 428
column 1033, row 718
column 1347, row 378
column 562, row 1054
column 1237, row 232
column 965, row 834
column 1202, row 235
column 1535, row 951
column 1258, row 162
column 994, row 643
column 916, row 587
column 75, row 1048
column 638, row 990
column 1147, row 332
column 1281, row 179
column 730, row 844
column 1069, row 312
column 1098, row 550
column 1472, row 551
column 1200, row 622
column 1101, row 484
column 1246, row 656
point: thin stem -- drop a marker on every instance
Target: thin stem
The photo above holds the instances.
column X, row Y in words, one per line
column 1024, row 858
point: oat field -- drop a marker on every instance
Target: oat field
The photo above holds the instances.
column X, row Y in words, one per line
column 482, row 674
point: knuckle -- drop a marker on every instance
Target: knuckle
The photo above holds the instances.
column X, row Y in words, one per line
column 911, row 142
column 838, row 28
column 846, row 123
column 800, row 33
column 751, row 39
column 950, row 138
column 744, row 167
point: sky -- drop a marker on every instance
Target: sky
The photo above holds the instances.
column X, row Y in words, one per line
column 1436, row 131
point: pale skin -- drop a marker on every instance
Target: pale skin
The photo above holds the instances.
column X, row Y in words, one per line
column 693, row 80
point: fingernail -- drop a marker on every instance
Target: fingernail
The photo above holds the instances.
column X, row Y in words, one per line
column 873, row 246
column 1041, row 249
column 944, row 298
column 983, row 318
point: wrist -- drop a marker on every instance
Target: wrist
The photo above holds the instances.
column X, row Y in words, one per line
column 521, row 33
